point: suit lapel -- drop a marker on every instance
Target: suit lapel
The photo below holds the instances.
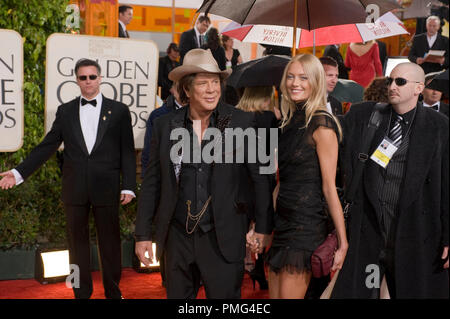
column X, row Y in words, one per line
column 425, row 43
column 105, row 115
column 420, row 152
column 75, row 119
column 177, row 122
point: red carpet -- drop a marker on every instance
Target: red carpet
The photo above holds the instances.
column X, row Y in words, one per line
column 133, row 286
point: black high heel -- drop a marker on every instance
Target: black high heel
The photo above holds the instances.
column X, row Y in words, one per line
column 261, row 279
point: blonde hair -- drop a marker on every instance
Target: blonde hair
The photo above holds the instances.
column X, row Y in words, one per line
column 317, row 100
column 254, row 98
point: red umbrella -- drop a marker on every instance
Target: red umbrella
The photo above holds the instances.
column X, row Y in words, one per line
column 282, row 36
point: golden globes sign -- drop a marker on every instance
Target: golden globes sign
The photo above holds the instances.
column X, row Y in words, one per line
column 129, row 74
column 11, row 91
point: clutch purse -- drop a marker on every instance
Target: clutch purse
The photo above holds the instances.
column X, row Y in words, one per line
column 322, row 258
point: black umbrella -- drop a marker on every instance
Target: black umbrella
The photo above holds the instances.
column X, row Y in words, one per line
column 266, row 71
column 309, row 15
column 440, row 82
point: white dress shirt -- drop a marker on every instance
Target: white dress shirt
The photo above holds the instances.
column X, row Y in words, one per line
column 124, row 27
column 431, row 40
column 329, row 106
column 89, row 119
column 197, row 35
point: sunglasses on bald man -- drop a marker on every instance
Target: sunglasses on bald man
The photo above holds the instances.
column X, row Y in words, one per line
column 84, row 77
column 398, row 81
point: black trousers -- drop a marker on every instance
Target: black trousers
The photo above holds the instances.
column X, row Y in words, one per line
column 108, row 243
column 190, row 259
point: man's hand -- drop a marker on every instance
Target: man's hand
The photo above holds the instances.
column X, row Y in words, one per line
column 141, row 248
column 445, row 256
column 125, row 198
column 419, row 61
column 8, row 180
column 257, row 242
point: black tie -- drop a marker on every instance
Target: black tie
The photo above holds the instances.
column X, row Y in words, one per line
column 435, row 107
column 200, row 40
column 396, row 132
column 92, row 102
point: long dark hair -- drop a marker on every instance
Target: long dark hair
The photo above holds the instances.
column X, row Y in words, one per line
column 213, row 38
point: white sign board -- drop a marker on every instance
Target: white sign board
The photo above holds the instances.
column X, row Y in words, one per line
column 129, row 74
column 11, row 91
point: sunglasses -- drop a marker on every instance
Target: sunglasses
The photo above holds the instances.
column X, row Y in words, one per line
column 84, row 77
column 398, row 81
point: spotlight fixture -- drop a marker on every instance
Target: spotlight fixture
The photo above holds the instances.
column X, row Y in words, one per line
column 52, row 265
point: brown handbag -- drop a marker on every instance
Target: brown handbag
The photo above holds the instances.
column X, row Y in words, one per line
column 322, row 258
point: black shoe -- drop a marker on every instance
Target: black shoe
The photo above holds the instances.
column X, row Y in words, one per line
column 261, row 279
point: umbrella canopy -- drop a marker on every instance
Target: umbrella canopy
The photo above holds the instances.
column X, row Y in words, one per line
column 440, row 82
column 282, row 36
column 310, row 14
column 348, row 91
column 266, row 71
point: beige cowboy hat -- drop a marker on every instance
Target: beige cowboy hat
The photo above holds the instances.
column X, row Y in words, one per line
column 198, row 61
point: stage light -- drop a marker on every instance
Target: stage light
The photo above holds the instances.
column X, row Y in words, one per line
column 51, row 265
column 140, row 267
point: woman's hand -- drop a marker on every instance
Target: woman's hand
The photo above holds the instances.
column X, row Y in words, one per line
column 339, row 257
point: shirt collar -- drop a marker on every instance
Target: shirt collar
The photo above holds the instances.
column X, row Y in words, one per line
column 438, row 103
column 212, row 118
column 407, row 117
column 124, row 27
column 98, row 98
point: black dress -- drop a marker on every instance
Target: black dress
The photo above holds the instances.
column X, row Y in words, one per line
column 300, row 219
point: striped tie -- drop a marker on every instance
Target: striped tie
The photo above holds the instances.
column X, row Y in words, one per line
column 396, row 132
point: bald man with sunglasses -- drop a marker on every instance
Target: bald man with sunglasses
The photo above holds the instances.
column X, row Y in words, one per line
column 398, row 225
column 99, row 170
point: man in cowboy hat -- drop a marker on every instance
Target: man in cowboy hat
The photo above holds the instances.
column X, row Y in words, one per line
column 191, row 208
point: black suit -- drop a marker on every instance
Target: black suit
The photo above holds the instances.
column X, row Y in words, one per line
column 420, row 47
column 333, row 52
column 444, row 108
column 158, row 200
column 123, row 33
column 336, row 106
column 422, row 226
column 165, row 66
column 188, row 41
column 383, row 53
column 91, row 180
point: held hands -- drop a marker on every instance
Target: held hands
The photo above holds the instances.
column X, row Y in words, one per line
column 141, row 248
column 256, row 241
column 125, row 198
column 8, row 180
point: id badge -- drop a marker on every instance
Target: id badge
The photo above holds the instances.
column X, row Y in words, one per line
column 384, row 152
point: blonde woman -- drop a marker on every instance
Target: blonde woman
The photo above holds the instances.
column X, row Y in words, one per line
column 307, row 157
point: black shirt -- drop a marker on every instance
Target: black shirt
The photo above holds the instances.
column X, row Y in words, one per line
column 194, row 183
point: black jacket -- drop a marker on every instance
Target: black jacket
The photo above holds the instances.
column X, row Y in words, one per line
column 333, row 52
column 420, row 47
column 422, row 222
column 188, row 41
column 159, row 189
column 93, row 177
